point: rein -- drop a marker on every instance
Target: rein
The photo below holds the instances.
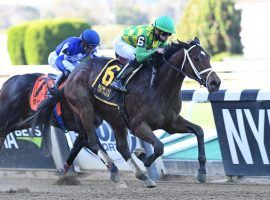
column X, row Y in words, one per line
column 197, row 73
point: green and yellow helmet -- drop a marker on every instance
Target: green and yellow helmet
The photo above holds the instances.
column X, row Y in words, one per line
column 165, row 24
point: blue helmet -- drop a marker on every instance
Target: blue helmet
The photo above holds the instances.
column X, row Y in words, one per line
column 91, row 37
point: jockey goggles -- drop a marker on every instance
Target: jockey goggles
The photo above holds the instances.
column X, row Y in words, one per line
column 89, row 46
column 164, row 33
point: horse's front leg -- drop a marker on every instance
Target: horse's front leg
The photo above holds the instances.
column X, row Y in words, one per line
column 123, row 149
column 181, row 125
column 145, row 133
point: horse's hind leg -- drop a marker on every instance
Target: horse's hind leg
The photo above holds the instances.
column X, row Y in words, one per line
column 77, row 146
column 79, row 143
column 181, row 125
column 79, row 100
column 123, row 149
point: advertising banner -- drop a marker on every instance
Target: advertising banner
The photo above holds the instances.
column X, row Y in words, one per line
column 20, row 150
column 243, row 129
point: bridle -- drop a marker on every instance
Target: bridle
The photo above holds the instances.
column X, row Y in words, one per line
column 196, row 72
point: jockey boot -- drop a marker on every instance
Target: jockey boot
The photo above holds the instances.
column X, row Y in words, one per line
column 59, row 80
column 118, row 82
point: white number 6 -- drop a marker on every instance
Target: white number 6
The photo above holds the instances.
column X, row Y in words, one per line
column 141, row 40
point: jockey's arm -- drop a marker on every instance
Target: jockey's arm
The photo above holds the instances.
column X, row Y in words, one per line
column 143, row 54
column 62, row 62
column 59, row 63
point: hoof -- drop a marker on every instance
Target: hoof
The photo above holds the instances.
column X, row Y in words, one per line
column 121, row 185
column 61, row 172
column 114, row 173
column 201, row 177
column 149, row 183
column 115, row 177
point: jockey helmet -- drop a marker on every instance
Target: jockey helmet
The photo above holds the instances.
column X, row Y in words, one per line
column 165, row 24
column 91, row 37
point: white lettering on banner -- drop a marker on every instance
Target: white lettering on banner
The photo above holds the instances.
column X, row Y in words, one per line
column 18, row 133
column 102, row 133
column 109, row 146
column 241, row 139
column 11, row 139
column 10, row 142
column 37, row 133
column 26, row 133
column 258, row 132
column 233, row 136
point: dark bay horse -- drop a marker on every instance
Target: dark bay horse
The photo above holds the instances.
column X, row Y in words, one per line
column 148, row 108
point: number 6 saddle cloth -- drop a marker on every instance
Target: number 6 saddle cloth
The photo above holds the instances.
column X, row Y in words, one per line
column 101, row 86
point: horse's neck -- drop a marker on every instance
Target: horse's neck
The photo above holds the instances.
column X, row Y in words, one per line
column 169, row 80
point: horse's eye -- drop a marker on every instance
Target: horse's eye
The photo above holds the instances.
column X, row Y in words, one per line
column 196, row 59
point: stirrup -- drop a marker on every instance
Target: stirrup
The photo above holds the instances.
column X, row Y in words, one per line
column 118, row 86
column 53, row 90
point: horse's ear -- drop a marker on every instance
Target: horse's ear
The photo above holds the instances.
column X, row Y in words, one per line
column 197, row 40
column 182, row 44
column 174, row 42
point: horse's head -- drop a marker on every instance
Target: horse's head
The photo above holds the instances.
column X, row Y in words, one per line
column 191, row 60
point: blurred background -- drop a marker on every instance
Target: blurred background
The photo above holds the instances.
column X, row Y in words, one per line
column 226, row 28
column 234, row 32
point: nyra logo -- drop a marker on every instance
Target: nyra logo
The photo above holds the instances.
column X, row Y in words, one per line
column 13, row 139
column 246, row 134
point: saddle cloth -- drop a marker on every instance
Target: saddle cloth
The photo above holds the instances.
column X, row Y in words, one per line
column 101, row 86
column 41, row 92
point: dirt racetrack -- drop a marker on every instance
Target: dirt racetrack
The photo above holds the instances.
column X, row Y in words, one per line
column 95, row 185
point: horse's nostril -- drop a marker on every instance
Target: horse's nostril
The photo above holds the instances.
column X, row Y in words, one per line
column 213, row 83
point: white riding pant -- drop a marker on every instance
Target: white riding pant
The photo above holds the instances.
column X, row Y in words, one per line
column 51, row 60
column 124, row 49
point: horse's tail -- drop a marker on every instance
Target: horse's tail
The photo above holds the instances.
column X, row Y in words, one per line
column 21, row 124
column 42, row 119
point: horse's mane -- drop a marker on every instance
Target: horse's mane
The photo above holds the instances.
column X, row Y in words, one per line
column 171, row 49
column 177, row 45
